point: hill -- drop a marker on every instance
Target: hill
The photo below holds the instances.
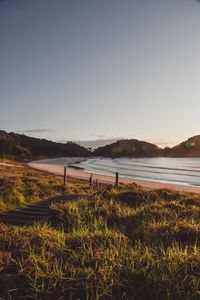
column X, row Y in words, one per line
column 119, row 243
column 20, row 145
column 133, row 148
column 188, row 148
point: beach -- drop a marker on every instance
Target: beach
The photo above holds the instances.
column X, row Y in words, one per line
column 56, row 167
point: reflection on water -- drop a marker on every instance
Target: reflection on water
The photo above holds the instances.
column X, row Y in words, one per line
column 172, row 170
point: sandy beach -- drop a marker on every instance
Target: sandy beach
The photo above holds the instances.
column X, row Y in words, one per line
column 9, row 165
column 56, row 166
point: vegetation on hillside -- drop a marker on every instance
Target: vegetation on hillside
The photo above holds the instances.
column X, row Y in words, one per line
column 22, row 146
column 131, row 148
column 188, row 148
column 135, row 148
column 123, row 243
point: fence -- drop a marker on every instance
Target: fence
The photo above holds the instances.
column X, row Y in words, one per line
column 93, row 182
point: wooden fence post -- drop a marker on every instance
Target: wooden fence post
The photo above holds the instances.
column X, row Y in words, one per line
column 97, row 182
column 90, row 179
column 65, row 175
column 117, row 179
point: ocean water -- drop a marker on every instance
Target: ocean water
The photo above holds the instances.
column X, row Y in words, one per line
column 184, row 171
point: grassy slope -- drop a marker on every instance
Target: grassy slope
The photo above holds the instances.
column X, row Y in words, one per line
column 125, row 243
column 20, row 185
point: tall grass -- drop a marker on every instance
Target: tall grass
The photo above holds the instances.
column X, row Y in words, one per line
column 124, row 243
column 20, row 185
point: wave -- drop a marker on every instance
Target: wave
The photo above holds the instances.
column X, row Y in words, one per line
column 171, row 170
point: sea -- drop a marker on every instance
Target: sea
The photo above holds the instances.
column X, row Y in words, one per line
column 185, row 171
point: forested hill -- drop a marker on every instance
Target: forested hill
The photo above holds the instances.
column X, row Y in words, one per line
column 131, row 148
column 188, row 148
column 20, row 145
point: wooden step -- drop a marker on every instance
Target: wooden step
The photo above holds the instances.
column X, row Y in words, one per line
column 35, row 210
column 22, row 216
column 27, row 210
column 22, row 222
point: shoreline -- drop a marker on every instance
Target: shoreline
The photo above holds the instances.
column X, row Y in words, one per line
column 49, row 165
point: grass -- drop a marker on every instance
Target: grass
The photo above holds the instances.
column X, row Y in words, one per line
column 123, row 243
column 20, row 185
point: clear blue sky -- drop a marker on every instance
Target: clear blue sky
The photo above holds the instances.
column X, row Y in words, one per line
column 75, row 70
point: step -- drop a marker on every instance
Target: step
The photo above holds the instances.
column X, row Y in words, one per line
column 40, row 205
column 22, row 216
column 34, row 210
column 31, row 213
column 26, row 211
column 22, row 222
column 37, row 207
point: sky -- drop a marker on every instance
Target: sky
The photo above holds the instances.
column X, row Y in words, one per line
column 100, row 69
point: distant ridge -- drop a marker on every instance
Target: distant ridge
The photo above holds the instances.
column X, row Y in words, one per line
column 20, row 145
column 136, row 148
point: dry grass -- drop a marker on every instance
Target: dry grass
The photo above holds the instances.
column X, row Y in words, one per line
column 125, row 243
column 20, row 185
